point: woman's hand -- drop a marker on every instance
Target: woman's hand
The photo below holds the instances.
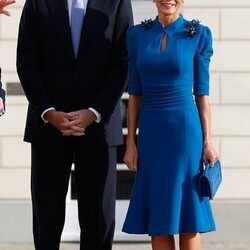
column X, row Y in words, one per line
column 1, row 104
column 4, row 4
column 210, row 155
column 131, row 157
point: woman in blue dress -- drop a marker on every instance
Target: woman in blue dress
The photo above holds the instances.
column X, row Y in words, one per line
column 169, row 87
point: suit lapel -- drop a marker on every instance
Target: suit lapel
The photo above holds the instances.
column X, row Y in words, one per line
column 59, row 9
column 91, row 19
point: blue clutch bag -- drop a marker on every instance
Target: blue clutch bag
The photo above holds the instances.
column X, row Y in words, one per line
column 209, row 180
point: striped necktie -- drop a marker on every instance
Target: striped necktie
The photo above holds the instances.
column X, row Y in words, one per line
column 77, row 14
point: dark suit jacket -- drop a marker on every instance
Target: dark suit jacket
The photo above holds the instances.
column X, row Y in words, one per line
column 2, row 92
column 52, row 77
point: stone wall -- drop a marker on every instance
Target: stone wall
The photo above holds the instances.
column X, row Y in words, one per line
column 230, row 97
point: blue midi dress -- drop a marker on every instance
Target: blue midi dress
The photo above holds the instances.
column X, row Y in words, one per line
column 165, row 198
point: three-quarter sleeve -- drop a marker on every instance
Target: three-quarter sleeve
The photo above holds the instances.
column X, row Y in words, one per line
column 201, row 62
column 134, row 85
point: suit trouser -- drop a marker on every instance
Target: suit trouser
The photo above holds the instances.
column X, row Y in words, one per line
column 95, row 173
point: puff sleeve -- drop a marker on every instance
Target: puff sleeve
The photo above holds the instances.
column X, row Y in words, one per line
column 201, row 62
column 134, row 85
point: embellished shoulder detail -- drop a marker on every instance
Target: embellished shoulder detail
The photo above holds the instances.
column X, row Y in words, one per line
column 147, row 23
column 192, row 27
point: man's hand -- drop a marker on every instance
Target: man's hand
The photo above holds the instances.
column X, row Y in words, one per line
column 78, row 121
column 56, row 118
column 3, row 4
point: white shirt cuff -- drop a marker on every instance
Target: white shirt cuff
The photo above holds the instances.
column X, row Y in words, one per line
column 44, row 112
column 97, row 114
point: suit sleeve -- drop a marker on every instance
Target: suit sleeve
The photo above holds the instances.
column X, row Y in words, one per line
column 202, row 61
column 112, row 89
column 29, row 59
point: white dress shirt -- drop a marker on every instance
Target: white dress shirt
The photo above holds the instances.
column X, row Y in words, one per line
column 83, row 4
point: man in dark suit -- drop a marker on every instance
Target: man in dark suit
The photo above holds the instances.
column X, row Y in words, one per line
column 72, row 64
column 3, row 5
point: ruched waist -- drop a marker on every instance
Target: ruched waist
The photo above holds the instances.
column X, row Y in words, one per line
column 167, row 97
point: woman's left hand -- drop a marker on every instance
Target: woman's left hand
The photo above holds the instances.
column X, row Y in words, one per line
column 210, row 155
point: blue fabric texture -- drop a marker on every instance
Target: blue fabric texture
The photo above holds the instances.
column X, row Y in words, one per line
column 165, row 199
column 210, row 179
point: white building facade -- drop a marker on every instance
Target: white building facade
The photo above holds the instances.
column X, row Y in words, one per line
column 230, row 100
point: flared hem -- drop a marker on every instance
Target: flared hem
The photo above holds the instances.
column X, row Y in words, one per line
column 164, row 233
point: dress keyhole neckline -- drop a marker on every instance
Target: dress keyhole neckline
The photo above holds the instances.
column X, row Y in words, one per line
column 163, row 42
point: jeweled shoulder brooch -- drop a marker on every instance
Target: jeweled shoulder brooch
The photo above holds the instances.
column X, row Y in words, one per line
column 147, row 23
column 192, row 27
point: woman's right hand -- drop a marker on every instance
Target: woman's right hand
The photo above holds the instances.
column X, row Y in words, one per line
column 1, row 104
column 131, row 157
column 4, row 4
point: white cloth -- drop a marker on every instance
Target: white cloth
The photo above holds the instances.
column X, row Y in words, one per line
column 44, row 112
column 97, row 114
